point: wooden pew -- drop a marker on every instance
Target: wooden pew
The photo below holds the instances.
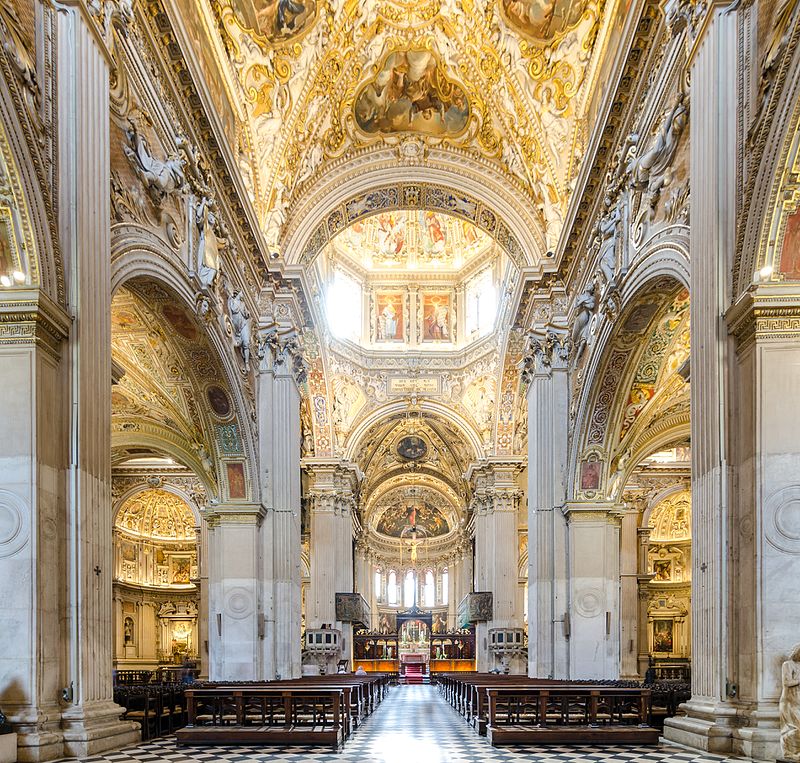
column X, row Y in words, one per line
column 569, row 714
column 264, row 715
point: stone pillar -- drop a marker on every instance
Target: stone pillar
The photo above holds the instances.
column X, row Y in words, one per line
column 710, row 717
column 234, row 572
column 764, row 520
column 629, row 595
column 279, row 457
column 548, row 390
column 90, row 722
column 593, row 554
column 201, row 532
column 333, row 487
column 644, row 578
column 496, row 506
column 33, row 457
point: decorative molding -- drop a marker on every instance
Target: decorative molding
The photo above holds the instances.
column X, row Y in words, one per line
column 29, row 317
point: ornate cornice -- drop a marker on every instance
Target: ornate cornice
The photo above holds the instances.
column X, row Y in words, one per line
column 29, row 317
column 766, row 313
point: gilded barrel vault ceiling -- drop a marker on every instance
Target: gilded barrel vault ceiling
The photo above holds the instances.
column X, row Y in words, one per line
column 171, row 392
column 499, row 81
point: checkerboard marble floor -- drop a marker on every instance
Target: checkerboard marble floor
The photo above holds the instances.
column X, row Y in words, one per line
column 412, row 725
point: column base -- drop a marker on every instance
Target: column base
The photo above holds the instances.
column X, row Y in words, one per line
column 38, row 733
column 92, row 729
column 706, row 726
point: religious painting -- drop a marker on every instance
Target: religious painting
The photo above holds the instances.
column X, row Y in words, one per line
column 218, row 400
column 277, row 20
column 179, row 320
column 8, row 261
column 790, row 250
column 640, row 317
column 236, row 484
column 590, row 475
column 411, row 93
column 434, row 239
column 181, row 569
column 412, row 448
column 640, row 395
column 436, row 317
column 662, row 570
column 390, row 238
column 398, row 520
column 663, row 635
column 389, row 316
column 387, row 623
column 542, row 20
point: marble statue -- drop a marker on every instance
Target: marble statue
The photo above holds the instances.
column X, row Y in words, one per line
column 160, row 178
column 789, row 706
column 240, row 323
column 607, row 228
column 651, row 171
column 207, row 254
column 585, row 305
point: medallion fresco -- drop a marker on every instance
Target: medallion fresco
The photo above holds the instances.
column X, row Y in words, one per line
column 276, row 20
column 543, row 20
column 412, row 93
column 399, row 518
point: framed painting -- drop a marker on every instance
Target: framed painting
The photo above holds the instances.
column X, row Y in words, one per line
column 663, row 635
column 590, row 475
column 236, row 483
column 790, row 250
column 437, row 317
column 389, row 316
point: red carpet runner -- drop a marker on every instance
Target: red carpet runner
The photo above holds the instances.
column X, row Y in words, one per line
column 414, row 674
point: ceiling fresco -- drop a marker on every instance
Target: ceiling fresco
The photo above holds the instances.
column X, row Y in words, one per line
column 416, row 240
column 503, row 81
column 156, row 514
column 400, row 520
column 172, row 387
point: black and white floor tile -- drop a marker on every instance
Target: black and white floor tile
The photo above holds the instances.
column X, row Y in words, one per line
column 412, row 725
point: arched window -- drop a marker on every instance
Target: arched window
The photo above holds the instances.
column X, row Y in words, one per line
column 445, row 585
column 378, row 582
column 430, row 590
column 391, row 589
column 409, row 584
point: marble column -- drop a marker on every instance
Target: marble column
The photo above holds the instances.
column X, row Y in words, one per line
column 496, row 505
column 90, row 721
column 234, row 582
column 593, row 558
column 548, row 390
column 629, row 595
column 279, row 457
column 332, row 491
column 710, row 716
column 764, row 520
column 644, row 579
column 32, row 519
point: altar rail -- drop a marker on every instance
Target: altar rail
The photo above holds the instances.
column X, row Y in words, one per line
column 316, row 710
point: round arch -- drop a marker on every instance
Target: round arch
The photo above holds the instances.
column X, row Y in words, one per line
column 134, row 260
column 437, row 410
column 609, row 368
column 167, row 488
column 366, row 185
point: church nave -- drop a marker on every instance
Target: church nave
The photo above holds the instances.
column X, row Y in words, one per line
column 414, row 723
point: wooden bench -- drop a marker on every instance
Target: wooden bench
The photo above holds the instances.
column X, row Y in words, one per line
column 264, row 715
column 569, row 714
